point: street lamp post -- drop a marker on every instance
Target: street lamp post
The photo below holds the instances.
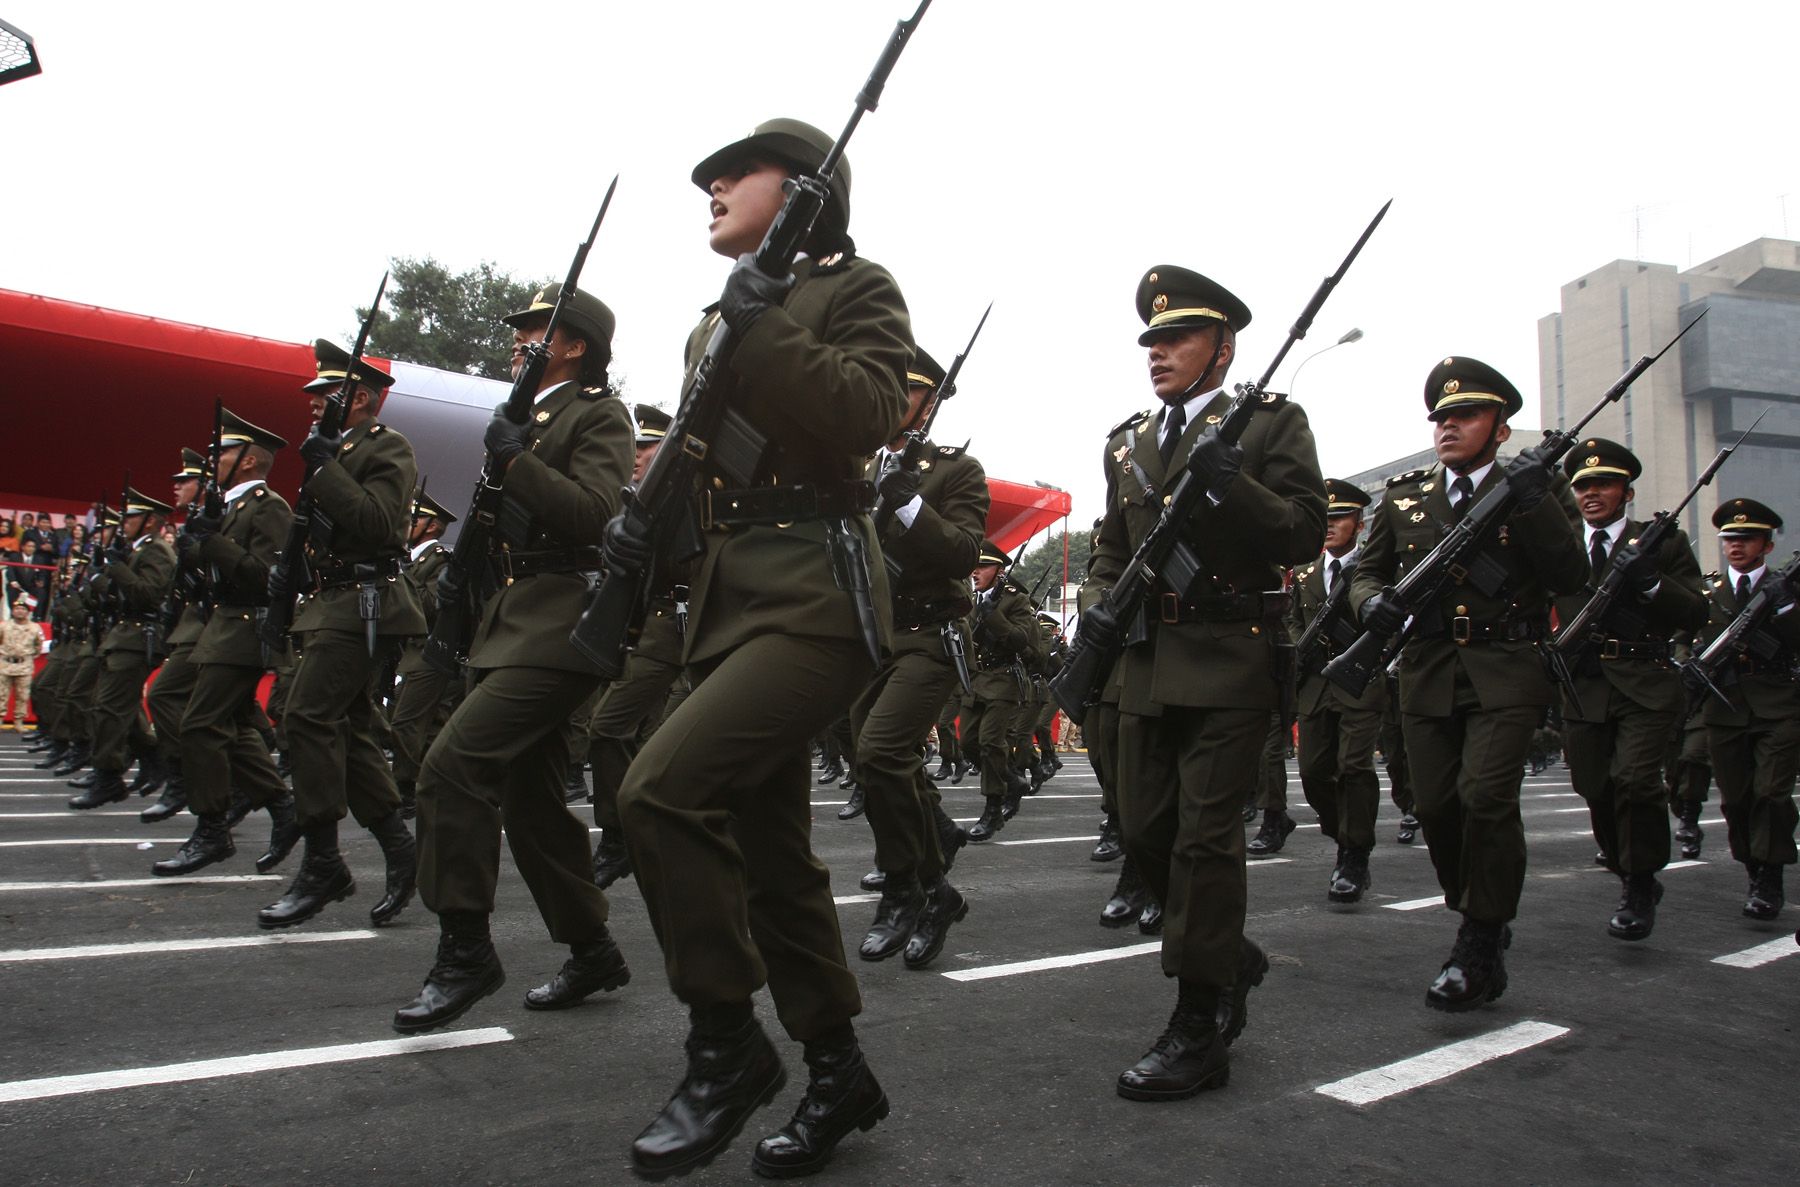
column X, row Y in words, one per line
column 1351, row 335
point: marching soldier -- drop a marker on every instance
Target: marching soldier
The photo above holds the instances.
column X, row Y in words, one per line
column 1393, row 757
column 174, row 681
column 502, row 758
column 135, row 580
column 225, row 765
column 1337, row 730
column 1628, row 696
column 1200, row 677
column 634, row 703
column 1043, row 726
column 427, row 696
column 84, row 676
column 1755, row 741
column 1271, row 793
column 363, row 489
column 1472, row 688
column 1003, row 629
column 49, row 692
column 715, row 807
column 930, row 514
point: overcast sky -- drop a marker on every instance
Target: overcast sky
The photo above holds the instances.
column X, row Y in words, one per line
column 253, row 167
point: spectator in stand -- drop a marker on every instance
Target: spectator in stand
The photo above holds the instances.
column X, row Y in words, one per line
column 76, row 541
column 66, row 533
column 27, row 579
column 9, row 539
column 20, row 641
column 34, row 529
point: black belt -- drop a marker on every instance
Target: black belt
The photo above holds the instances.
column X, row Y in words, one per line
column 911, row 614
column 345, row 575
column 1652, row 649
column 1221, row 607
column 509, row 566
column 780, row 505
column 1461, row 629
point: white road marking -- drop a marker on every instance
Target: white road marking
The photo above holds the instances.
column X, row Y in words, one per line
column 1416, row 904
column 77, row 841
column 63, row 815
column 847, row 899
column 241, row 1065
column 1674, row 865
column 1561, row 811
column 1048, row 840
column 133, row 883
column 198, row 944
column 1053, row 962
column 1252, row 863
column 1554, row 795
column 1377, row 1084
column 829, row 803
column 1755, row 958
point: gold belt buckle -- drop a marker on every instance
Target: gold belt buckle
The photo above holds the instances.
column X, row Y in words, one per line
column 1460, row 629
column 1171, row 608
column 1609, row 649
column 506, row 568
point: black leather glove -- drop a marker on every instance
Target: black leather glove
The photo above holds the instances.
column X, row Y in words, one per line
column 1217, row 463
column 897, row 487
column 449, row 586
column 1528, row 478
column 1383, row 613
column 625, row 549
column 1640, row 569
column 1100, row 627
column 117, row 554
column 504, row 439
column 749, row 293
column 201, row 525
column 279, row 593
column 319, row 448
column 187, row 550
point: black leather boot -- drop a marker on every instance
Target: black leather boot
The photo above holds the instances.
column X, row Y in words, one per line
column 78, row 756
column 466, row 970
column 172, row 800
column 1689, row 834
column 1766, row 897
column 409, row 798
column 151, row 775
column 1110, row 847
column 1474, row 974
column 1352, row 878
column 53, row 754
column 210, row 843
column 239, row 807
column 832, row 772
column 86, row 780
column 108, row 787
column 593, row 967
column 959, row 770
column 841, row 1097
column 944, row 769
column 896, row 917
column 951, row 836
column 575, row 788
column 1409, row 829
column 732, row 1070
column 1234, row 1007
column 1128, row 898
column 1150, row 919
column 944, row 905
column 323, row 879
column 612, row 860
column 853, row 807
column 284, row 834
column 990, row 823
column 402, row 855
column 1273, row 834
column 1189, row 1057
column 1636, row 915
column 1009, row 807
column 873, row 880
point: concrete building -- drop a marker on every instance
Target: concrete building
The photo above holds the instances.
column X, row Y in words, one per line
column 1743, row 359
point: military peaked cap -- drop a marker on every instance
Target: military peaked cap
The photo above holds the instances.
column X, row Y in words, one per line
column 333, row 361
column 793, row 143
column 1465, row 382
column 652, row 423
column 1745, row 517
column 138, row 503
column 992, row 554
column 1596, row 457
column 1344, row 498
column 924, row 371
column 1172, row 298
column 235, row 430
column 584, row 313
column 193, row 466
column 423, row 504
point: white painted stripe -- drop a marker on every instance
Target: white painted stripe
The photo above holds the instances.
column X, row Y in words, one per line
column 1755, row 958
column 1560, row 811
column 66, row 814
column 1053, row 962
column 198, row 944
column 1049, row 840
column 45, row 777
column 846, row 899
column 34, row 795
column 1065, row 795
column 1415, row 904
column 1253, row 862
column 1554, row 795
column 133, row 883
column 241, row 1065
column 1682, row 865
column 77, row 841
column 1377, row 1084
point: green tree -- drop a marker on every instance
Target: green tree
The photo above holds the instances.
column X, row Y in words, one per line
column 1049, row 555
column 449, row 320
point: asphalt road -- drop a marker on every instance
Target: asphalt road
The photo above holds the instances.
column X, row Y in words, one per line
column 1604, row 1062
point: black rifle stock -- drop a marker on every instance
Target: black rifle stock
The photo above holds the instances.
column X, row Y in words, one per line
column 1706, row 672
column 1418, row 591
column 448, row 646
column 291, row 574
column 659, row 507
column 1162, row 554
column 1312, row 639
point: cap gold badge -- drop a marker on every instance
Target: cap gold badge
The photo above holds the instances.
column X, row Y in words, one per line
column 1160, row 303
column 1451, row 387
column 542, row 417
column 1593, row 459
column 1740, row 517
column 1153, row 278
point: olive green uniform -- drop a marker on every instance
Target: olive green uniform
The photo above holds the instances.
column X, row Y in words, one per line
column 1472, row 688
column 222, row 750
column 138, row 585
column 1003, row 631
column 174, row 682
column 426, row 695
column 366, row 494
column 716, row 806
column 49, row 692
column 1630, row 699
column 1198, row 679
column 1337, row 731
column 632, row 706
column 503, row 756
column 893, row 715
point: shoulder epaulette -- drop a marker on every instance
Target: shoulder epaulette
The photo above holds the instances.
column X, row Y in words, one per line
column 592, row 393
column 1134, row 418
column 837, row 261
column 377, row 428
column 259, row 492
column 951, row 450
column 1409, row 476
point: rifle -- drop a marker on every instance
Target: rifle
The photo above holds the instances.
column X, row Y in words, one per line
column 292, row 573
column 1162, row 552
column 660, row 508
column 190, row 588
column 1419, row 590
column 448, row 645
column 1312, row 639
column 1706, row 671
column 916, row 438
column 1589, row 626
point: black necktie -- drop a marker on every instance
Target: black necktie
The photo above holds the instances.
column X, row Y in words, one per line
column 1173, row 420
column 1597, row 554
column 1337, row 570
column 1464, row 490
column 1743, row 589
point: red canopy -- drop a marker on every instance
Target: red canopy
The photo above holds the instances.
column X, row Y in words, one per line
column 1018, row 512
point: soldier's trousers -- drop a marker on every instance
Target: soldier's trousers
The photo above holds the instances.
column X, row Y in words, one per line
column 278, row 696
column 168, row 698
column 331, row 732
column 890, row 720
column 1467, row 769
column 121, row 730
column 1690, row 775
column 1616, row 767
column 716, row 811
column 1100, row 734
column 425, row 702
column 1755, row 766
column 985, row 724
column 47, row 694
column 221, row 748
column 628, row 711
column 1337, row 773
column 500, row 761
column 949, row 745
column 1181, row 784
column 84, row 680
column 1271, row 778
column 1020, row 751
column 1393, row 753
